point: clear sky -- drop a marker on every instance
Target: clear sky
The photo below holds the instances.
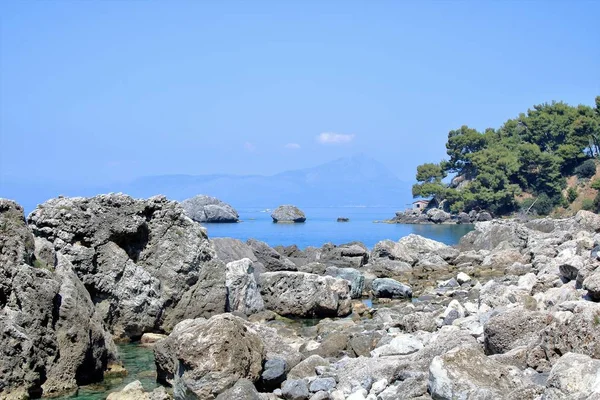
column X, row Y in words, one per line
column 110, row 90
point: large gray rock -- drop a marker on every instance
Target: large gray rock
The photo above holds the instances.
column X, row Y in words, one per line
column 204, row 208
column 489, row 234
column 137, row 258
column 243, row 294
column 288, row 213
column 438, row 216
column 50, row 340
column 574, row 376
column 269, row 258
column 513, row 328
column 466, row 373
column 390, row 288
column 203, row 358
column 305, row 295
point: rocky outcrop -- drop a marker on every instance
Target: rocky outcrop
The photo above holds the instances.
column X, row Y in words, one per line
column 351, row 255
column 288, row 213
column 305, row 295
column 136, row 258
column 50, row 338
column 204, row 208
column 204, row 358
column 438, row 216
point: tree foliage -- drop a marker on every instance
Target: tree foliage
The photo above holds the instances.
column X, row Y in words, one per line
column 531, row 153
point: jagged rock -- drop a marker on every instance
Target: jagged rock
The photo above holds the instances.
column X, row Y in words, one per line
column 488, row 235
column 513, row 328
column 137, row 258
column 243, row 294
column 303, row 295
column 203, row 358
column 288, row 213
column 466, row 373
column 50, row 340
column 269, row 258
column 306, row 368
column 390, row 288
column 204, row 208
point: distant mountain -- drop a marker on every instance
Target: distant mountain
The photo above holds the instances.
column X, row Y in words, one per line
column 350, row 181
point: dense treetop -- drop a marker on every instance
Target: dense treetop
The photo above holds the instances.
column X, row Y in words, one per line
column 532, row 153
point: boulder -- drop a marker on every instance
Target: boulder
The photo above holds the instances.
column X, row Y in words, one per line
column 489, row 234
column 243, row 294
column 513, row 328
column 133, row 391
column 273, row 374
column 288, row 213
column 302, row 294
column 204, row 358
column 295, row 389
column 438, row 216
column 466, row 373
column 269, row 258
column 574, row 376
column 390, row 288
column 343, row 219
column 204, row 208
column 592, row 285
column 136, row 258
column 306, row 368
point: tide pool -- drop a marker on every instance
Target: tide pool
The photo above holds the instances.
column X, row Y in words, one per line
column 321, row 227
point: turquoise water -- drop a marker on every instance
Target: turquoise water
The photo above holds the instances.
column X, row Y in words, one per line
column 139, row 363
column 321, row 227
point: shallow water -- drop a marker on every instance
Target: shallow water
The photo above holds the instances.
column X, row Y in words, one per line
column 321, row 227
column 139, row 362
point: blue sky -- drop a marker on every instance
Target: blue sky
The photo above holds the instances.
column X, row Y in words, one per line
column 106, row 91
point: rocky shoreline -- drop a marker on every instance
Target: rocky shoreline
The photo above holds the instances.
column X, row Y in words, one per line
column 438, row 216
column 511, row 312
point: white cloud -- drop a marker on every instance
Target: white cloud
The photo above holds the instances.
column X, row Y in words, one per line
column 249, row 147
column 293, row 146
column 334, row 138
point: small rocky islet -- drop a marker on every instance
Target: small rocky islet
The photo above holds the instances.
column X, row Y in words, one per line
column 511, row 312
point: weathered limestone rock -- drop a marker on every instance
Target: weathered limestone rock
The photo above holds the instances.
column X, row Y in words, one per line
column 204, row 358
column 303, row 295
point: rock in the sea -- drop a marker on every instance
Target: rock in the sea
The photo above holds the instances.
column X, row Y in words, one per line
column 302, row 294
column 288, row 213
column 390, row 288
column 209, row 209
column 204, row 358
column 343, row 219
column 438, row 216
column 243, row 294
column 136, row 258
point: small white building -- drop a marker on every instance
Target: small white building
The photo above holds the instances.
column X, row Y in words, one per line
column 420, row 204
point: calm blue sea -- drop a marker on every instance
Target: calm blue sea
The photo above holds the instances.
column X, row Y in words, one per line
column 321, row 227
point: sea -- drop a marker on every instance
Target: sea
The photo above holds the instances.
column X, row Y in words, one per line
column 321, row 227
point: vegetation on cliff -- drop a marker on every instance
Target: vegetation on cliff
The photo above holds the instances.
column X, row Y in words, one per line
column 527, row 159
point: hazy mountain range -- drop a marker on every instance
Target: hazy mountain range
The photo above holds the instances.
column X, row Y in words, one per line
column 352, row 181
